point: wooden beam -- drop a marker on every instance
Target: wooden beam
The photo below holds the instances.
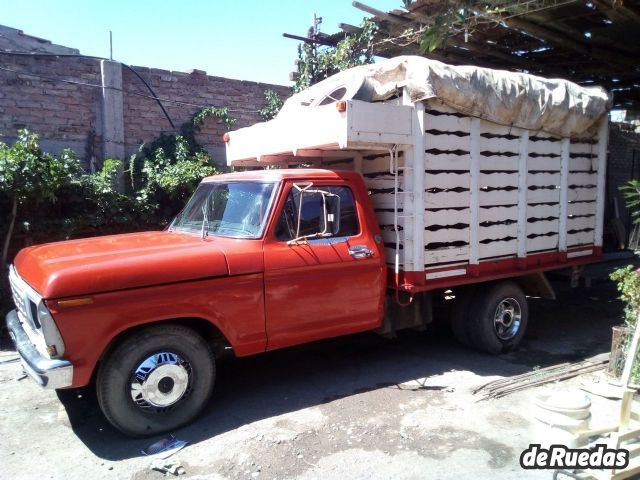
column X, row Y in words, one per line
column 345, row 27
column 391, row 17
column 310, row 40
column 563, row 41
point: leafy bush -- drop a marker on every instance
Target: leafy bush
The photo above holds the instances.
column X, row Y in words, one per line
column 272, row 105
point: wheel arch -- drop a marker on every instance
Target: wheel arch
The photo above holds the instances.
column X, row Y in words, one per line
column 536, row 285
column 209, row 331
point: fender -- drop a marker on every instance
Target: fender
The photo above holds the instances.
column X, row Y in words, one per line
column 234, row 305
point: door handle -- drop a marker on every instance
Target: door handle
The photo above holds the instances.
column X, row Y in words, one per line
column 360, row 251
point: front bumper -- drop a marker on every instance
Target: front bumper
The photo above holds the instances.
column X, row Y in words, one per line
column 47, row 372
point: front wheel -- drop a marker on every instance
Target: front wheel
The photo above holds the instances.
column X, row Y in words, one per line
column 498, row 318
column 156, row 380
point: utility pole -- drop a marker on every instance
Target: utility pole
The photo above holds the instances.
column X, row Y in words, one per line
column 111, row 45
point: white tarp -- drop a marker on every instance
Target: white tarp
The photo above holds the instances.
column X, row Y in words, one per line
column 555, row 106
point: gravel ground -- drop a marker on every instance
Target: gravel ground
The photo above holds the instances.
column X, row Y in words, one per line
column 357, row 407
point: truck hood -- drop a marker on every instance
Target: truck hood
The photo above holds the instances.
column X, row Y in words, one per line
column 117, row 262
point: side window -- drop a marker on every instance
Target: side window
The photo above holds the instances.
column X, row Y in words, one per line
column 311, row 214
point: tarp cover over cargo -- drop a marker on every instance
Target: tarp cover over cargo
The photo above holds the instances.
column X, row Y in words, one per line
column 555, row 106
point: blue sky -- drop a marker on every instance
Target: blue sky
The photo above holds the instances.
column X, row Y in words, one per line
column 231, row 39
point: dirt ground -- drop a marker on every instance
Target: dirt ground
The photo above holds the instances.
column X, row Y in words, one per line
column 351, row 408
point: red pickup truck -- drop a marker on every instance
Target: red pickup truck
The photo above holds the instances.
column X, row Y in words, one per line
column 435, row 201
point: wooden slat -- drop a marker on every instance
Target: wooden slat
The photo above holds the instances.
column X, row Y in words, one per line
column 581, row 164
column 583, row 208
column 543, row 179
column 446, row 235
column 583, row 178
column 446, row 142
column 498, row 180
column 382, row 200
column 543, row 195
column 446, row 199
column 447, row 181
column 498, row 162
column 543, row 211
column 544, row 226
column 498, row 197
column 383, row 181
column 389, row 236
column 497, row 129
column 543, row 163
column 543, row 147
column 447, row 161
column 378, row 164
column 496, row 232
column 498, row 144
column 582, row 194
column 498, row 249
column 580, row 238
column 443, row 255
column 584, row 148
column 498, row 214
column 448, row 123
column 446, row 217
column 542, row 243
column 579, row 223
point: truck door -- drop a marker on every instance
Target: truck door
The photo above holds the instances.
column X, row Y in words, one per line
column 325, row 285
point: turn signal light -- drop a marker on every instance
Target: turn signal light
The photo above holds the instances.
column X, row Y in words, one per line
column 341, row 106
column 75, row 302
column 226, row 137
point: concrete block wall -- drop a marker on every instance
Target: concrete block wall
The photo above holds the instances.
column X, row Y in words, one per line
column 96, row 122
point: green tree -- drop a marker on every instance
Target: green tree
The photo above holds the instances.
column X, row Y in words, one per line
column 29, row 175
column 272, row 105
column 315, row 63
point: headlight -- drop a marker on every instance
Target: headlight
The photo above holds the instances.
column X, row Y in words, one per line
column 53, row 339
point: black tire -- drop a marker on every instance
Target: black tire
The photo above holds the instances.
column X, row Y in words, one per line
column 485, row 332
column 460, row 314
column 182, row 353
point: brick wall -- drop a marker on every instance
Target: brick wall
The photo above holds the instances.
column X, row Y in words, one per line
column 69, row 115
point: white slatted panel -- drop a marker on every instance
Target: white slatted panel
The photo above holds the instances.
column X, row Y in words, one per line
column 543, row 179
column 446, row 161
column 381, row 200
column 580, row 238
column 498, row 197
column 445, row 142
column 497, row 232
column 499, row 162
column 497, row 180
column 498, row 249
column 447, row 235
column 497, row 144
column 583, row 178
column 447, row 123
column 446, row 217
column 580, row 223
column 498, row 214
column 581, row 164
column 584, row 148
column 542, row 243
column 542, row 226
column 378, row 164
column 544, row 147
column 446, row 199
column 543, row 195
column 582, row 194
column 442, row 255
column 543, row 211
column 447, row 181
column 582, row 208
column 543, row 164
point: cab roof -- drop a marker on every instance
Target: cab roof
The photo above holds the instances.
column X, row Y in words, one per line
column 277, row 175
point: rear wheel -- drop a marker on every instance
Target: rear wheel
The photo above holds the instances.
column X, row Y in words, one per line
column 460, row 314
column 156, row 380
column 498, row 318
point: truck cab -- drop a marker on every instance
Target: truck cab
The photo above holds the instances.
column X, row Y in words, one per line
column 256, row 261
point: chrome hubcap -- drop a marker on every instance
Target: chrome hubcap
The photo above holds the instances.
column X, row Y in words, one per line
column 160, row 381
column 508, row 316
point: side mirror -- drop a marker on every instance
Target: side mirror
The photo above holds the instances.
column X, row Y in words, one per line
column 320, row 205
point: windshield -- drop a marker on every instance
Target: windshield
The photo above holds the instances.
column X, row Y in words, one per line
column 229, row 209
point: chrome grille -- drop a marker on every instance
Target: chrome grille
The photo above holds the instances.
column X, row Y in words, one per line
column 22, row 297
